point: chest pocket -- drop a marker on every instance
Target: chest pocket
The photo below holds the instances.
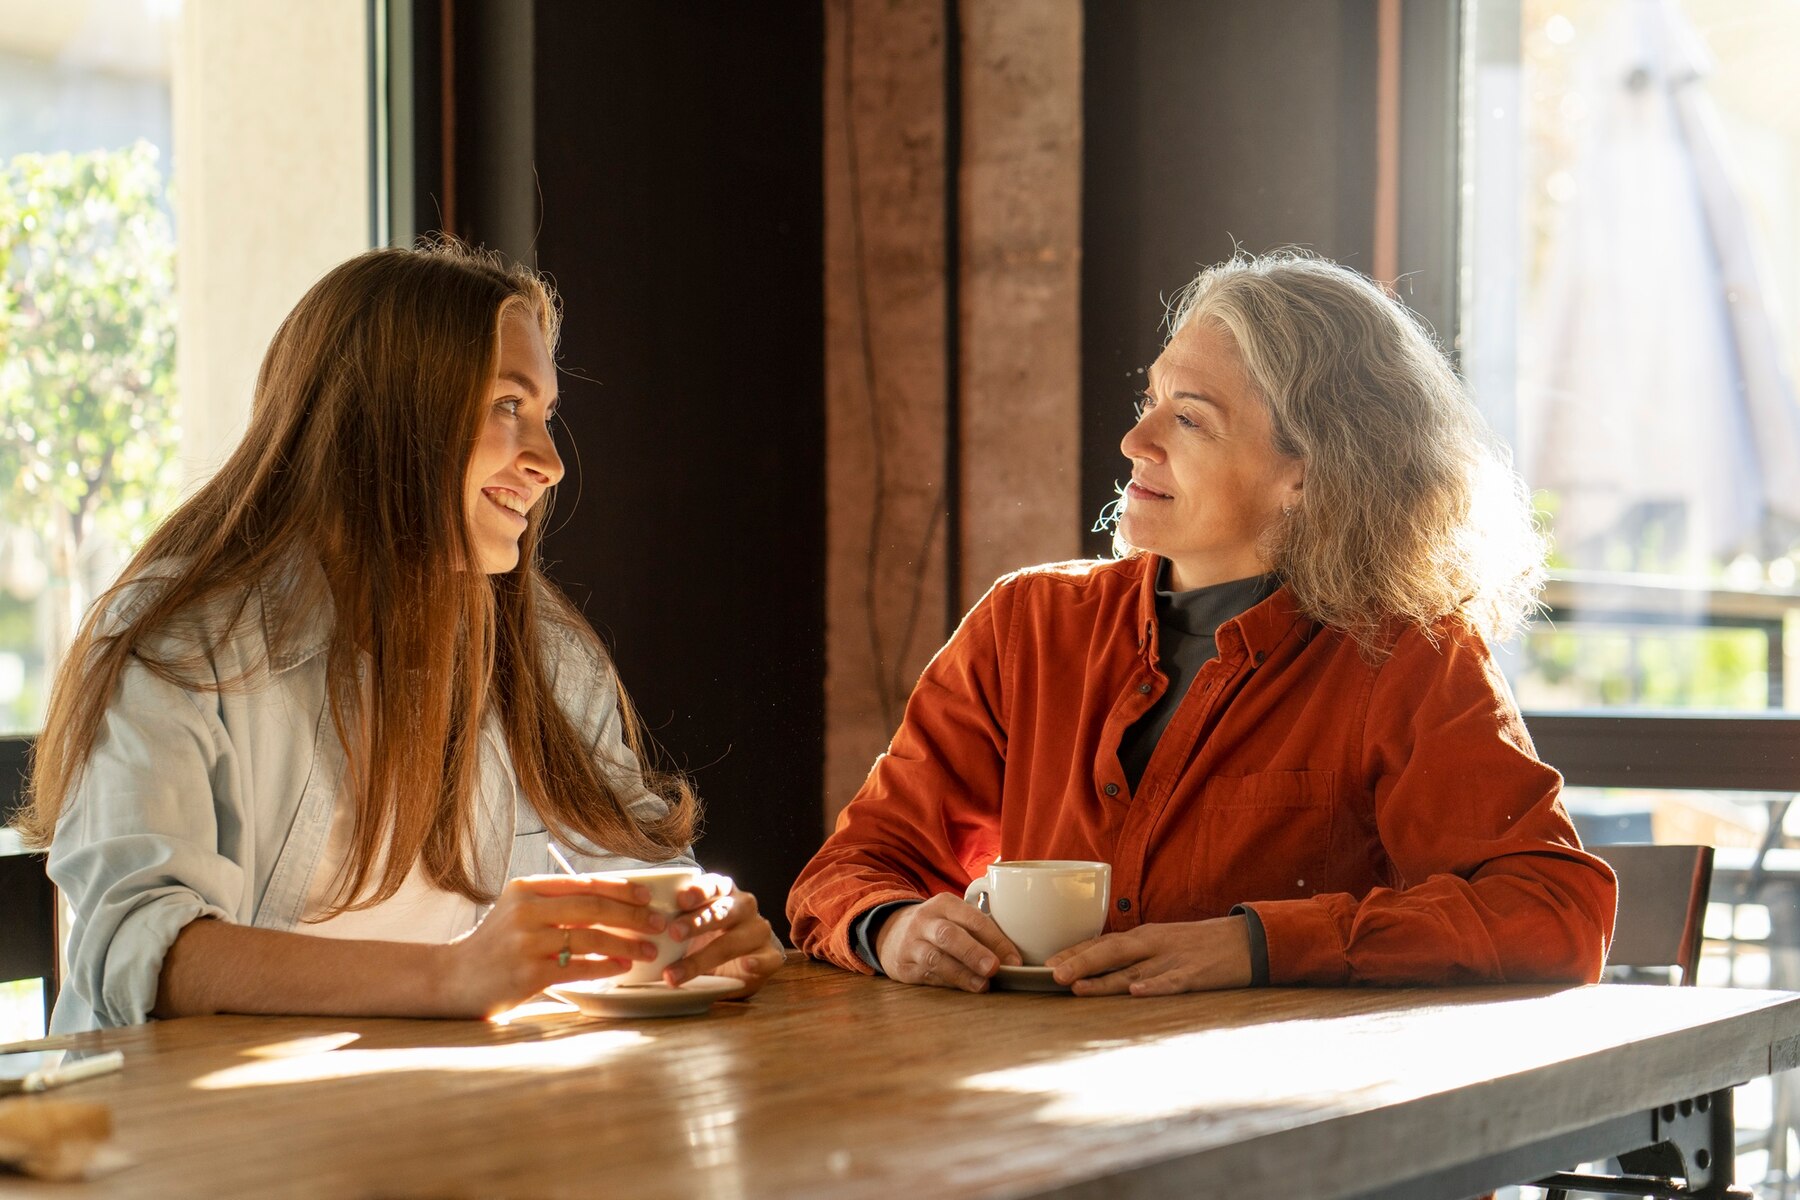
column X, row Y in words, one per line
column 1266, row 836
column 529, row 853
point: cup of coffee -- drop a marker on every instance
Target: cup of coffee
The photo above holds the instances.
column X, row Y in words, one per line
column 1044, row 906
column 664, row 884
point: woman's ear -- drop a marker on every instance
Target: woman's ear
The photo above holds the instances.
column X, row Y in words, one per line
column 1294, row 490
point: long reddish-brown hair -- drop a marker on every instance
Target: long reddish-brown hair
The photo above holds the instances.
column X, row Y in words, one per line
column 367, row 410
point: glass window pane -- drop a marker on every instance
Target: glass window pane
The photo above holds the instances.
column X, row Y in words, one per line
column 1632, row 314
column 173, row 173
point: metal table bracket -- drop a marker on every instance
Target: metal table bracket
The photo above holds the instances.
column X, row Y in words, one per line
column 1690, row 1155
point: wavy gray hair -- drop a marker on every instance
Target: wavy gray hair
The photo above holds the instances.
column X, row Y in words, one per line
column 1410, row 508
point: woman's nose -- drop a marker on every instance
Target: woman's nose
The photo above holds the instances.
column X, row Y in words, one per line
column 1138, row 441
column 541, row 458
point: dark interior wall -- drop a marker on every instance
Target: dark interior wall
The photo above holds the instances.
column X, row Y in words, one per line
column 678, row 159
column 1209, row 125
column 15, row 759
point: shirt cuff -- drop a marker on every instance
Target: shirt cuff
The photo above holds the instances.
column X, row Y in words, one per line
column 1259, row 946
column 865, row 928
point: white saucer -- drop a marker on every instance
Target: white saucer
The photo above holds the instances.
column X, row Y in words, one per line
column 602, row 998
column 1026, row 979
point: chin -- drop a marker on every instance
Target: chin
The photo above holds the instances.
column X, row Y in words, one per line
column 499, row 564
column 1139, row 538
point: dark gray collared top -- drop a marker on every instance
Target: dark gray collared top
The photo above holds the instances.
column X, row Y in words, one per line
column 1186, row 622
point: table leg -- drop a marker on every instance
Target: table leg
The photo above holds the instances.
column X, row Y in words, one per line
column 1692, row 1140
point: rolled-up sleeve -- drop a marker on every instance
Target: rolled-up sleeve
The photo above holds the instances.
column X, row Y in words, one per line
column 136, row 852
column 1493, row 885
column 929, row 811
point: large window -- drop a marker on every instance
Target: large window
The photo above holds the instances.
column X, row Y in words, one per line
column 88, row 401
column 173, row 173
column 1631, row 319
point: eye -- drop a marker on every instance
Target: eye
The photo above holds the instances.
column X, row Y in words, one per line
column 509, row 406
column 1141, row 403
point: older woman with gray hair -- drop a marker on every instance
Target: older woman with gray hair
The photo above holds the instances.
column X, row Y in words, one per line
column 1274, row 712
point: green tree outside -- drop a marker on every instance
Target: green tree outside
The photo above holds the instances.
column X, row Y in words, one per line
column 88, row 429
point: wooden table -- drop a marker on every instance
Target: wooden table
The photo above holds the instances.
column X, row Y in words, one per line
column 830, row 1084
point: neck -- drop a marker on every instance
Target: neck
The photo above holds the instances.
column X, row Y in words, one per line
column 1187, row 574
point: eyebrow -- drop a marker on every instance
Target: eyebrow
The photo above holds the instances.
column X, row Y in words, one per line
column 1150, row 377
column 1200, row 397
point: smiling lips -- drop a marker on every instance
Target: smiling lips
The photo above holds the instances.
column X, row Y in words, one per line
column 511, row 501
column 1138, row 491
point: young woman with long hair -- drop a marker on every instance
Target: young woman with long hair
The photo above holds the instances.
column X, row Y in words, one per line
column 1273, row 713
column 310, row 753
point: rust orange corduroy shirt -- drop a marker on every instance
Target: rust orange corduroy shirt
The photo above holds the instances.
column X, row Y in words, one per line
column 1389, row 822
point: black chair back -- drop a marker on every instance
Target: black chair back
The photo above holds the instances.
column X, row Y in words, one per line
column 1662, row 905
column 28, row 934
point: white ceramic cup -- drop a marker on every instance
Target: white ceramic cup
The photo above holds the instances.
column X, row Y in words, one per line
column 1044, row 906
column 664, row 883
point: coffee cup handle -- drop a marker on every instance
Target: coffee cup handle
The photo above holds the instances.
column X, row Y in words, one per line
column 977, row 894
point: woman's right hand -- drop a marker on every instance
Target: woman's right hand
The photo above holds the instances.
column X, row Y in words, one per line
column 945, row 942
column 513, row 954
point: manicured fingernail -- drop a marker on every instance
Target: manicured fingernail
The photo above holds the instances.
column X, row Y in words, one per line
column 656, row 922
column 640, row 894
column 646, row 950
column 986, row 965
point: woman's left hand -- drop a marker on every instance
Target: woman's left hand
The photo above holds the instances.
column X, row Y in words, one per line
column 726, row 934
column 1159, row 960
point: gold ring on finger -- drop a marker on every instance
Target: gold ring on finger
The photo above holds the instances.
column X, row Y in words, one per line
column 562, row 956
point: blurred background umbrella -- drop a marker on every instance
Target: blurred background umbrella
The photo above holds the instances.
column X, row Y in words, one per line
column 1658, row 411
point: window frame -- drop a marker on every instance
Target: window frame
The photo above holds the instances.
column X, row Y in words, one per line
column 1750, row 751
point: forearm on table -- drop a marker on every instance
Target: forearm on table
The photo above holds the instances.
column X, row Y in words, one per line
column 1445, row 930
column 215, row 966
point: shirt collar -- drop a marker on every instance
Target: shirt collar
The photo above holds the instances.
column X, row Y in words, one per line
column 302, row 581
column 1254, row 633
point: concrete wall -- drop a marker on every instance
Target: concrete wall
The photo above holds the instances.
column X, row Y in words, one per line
column 886, row 387
column 952, row 198
column 271, row 107
column 1020, row 409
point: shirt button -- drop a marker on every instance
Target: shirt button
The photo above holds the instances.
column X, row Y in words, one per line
column 1144, row 688
column 1260, row 655
column 1111, row 789
column 1124, row 904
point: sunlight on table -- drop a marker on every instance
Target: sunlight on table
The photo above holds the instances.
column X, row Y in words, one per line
column 530, row 1009
column 312, row 1066
column 1128, row 1083
column 324, row 1043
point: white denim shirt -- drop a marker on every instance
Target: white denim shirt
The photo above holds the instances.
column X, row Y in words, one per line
column 218, row 804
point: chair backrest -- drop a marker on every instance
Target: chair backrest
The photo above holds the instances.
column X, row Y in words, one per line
column 28, row 934
column 1662, row 905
